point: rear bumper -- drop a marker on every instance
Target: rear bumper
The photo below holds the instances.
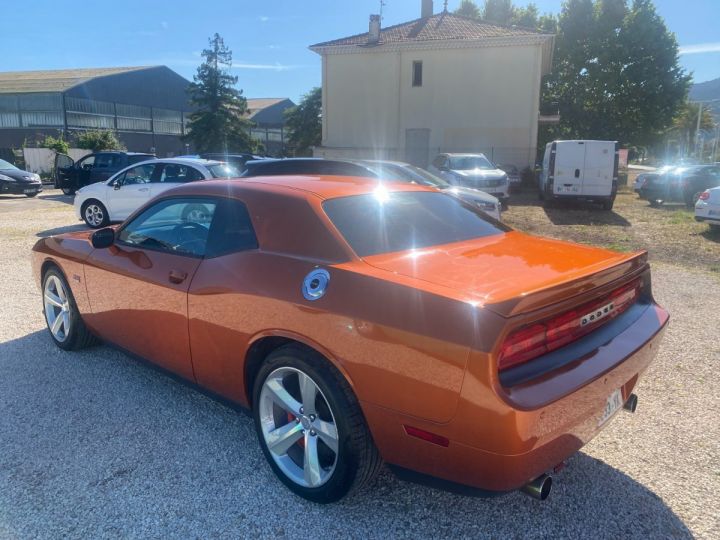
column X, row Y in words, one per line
column 706, row 212
column 501, row 438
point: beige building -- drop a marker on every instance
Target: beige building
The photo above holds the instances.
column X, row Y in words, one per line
column 440, row 83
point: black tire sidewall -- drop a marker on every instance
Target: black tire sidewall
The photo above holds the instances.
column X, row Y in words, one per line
column 346, row 466
column 106, row 219
column 74, row 313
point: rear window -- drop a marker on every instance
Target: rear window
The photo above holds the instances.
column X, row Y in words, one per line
column 223, row 170
column 384, row 222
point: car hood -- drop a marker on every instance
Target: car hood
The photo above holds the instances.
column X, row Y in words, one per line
column 17, row 174
column 508, row 268
column 480, row 173
column 470, row 193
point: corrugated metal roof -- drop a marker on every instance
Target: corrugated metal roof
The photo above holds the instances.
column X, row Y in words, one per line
column 255, row 105
column 441, row 26
column 54, row 80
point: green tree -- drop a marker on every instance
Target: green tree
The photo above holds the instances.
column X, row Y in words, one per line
column 527, row 16
column 305, row 123
column 218, row 123
column 468, row 9
column 685, row 123
column 498, row 12
column 98, row 140
column 59, row 144
column 616, row 74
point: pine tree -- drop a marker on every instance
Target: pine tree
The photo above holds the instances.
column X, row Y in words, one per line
column 219, row 123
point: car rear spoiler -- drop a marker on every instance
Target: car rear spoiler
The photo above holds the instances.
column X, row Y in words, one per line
column 630, row 266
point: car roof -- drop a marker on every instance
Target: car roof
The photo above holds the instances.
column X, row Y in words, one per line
column 458, row 154
column 382, row 162
column 188, row 161
column 320, row 186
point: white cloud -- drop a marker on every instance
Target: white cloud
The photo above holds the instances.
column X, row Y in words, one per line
column 700, row 48
column 263, row 18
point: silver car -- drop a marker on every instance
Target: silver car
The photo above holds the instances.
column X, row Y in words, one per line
column 396, row 170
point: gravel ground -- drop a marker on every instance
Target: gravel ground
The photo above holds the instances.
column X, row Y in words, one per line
column 96, row 444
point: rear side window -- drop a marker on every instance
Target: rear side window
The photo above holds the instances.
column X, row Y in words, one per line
column 174, row 173
column 386, row 222
column 232, row 230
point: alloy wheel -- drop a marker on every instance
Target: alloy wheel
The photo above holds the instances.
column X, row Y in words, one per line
column 298, row 427
column 57, row 308
column 94, row 215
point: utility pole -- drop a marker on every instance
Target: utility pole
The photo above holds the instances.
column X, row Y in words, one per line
column 697, row 130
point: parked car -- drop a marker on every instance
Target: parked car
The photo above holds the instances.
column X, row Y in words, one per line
column 15, row 181
column 640, row 180
column 432, row 337
column 236, row 160
column 396, row 170
column 388, row 170
column 580, row 170
column 513, row 176
column 707, row 207
column 473, row 171
column 114, row 200
column 682, row 184
column 300, row 166
column 97, row 167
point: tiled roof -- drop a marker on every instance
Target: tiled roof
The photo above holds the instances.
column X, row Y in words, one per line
column 441, row 26
column 54, row 80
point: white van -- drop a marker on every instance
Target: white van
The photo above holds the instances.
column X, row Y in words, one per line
column 582, row 170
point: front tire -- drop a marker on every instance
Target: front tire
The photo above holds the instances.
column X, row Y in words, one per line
column 68, row 191
column 62, row 316
column 31, row 195
column 94, row 214
column 310, row 426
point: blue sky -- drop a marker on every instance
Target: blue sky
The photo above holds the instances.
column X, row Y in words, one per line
column 269, row 39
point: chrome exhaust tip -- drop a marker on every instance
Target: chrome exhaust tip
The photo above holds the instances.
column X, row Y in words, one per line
column 631, row 403
column 539, row 488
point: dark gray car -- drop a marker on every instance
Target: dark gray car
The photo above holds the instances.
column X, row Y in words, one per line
column 14, row 181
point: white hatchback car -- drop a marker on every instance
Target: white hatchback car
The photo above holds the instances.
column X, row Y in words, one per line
column 707, row 207
column 114, row 200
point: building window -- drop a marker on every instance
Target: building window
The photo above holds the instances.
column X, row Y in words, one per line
column 417, row 73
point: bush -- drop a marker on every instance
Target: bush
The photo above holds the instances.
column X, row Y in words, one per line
column 99, row 140
column 58, row 144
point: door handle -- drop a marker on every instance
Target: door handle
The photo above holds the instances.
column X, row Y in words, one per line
column 177, row 276
column 144, row 189
column 577, row 173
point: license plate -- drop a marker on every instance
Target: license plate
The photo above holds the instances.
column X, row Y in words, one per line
column 29, row 190
column 613, row 403
column 568, row 189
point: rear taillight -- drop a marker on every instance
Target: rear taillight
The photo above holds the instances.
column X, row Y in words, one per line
column 705, row 195
column 539, row 338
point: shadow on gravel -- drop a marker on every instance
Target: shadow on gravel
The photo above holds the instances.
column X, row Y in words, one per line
column 63, row 229
column 94, row 443
column 67, row 199
column 564, row 213
column 712, row 234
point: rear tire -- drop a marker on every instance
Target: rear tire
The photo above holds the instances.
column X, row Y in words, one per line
column 31, row 195
column 303, row 426
column 608, row 205
column 62, row 316
column 68, row 191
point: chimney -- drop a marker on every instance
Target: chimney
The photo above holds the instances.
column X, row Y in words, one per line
column 427, row 9
column 374, row 32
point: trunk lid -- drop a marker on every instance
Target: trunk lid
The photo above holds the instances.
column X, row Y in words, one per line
column 513, row 273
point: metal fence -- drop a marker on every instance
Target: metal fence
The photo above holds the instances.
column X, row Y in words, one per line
column 57, row 111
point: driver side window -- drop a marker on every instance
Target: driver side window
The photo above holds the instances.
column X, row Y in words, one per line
column 178, row 226
column 137, row 175
column 86, row 163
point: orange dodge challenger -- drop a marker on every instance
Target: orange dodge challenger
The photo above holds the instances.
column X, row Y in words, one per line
column 365, row 322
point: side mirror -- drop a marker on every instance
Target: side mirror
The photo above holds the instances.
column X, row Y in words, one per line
column 103, row 238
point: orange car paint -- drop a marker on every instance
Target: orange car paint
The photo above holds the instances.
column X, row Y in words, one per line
column 416, row 333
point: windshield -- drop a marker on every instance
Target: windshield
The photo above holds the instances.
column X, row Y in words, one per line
column 401, row 221
column 4, row 165
column 223, row 171
column 465, row 163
